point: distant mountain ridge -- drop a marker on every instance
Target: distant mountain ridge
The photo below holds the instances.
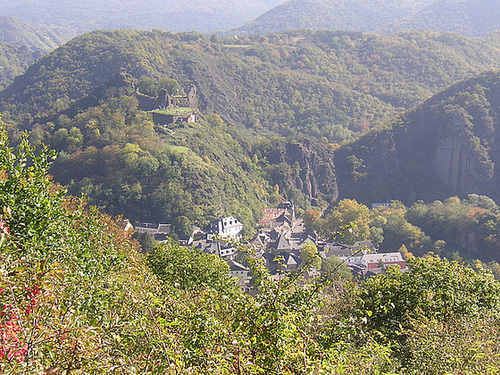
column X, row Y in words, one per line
column 355, row 15
column 22, row 43
column 37, row 37
column 468, row 17
column 168, row 15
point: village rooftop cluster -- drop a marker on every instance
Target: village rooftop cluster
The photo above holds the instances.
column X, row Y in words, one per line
column 279, row 242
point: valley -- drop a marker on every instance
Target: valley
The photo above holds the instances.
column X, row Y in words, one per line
column 315, row 191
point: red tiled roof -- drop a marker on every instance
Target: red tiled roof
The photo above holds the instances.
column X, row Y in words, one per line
column 269, row 214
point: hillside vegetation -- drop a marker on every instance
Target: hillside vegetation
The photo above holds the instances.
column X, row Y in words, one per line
column 124, row 164
column 315, row 89
column 65, row 308
column 354, row 15
column 23, row 43
column 14, row 60
column 467, row 17
column 324, row 84
column 34, row 36
column 447, row 145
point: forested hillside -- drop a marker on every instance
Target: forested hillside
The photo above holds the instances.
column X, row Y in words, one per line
column 354, row 15
column 65, row 308
column 185, row 128
column 324, row 84
column 23, row 43
column 447, row 145
column 469, row 17
column 35, row 37
column 124, row 164
column 317, row 89
column 14, row 60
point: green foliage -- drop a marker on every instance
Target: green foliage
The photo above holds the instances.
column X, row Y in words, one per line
column 454, row 221
column 434, row 288
column 190, row 269
column 76, row 296
column 62, row 271
column 424, row 306
column 322, row 84
column 414, row 157
column 466, row 345
column 309, row 255
column 351, row 214
column 14, row 60
column 455, row 228
column 397, row 231
column 33, row 36
column 312, row 220
column 333, row 268
column 152, row 87
column 145, row 241
column 116, row 157
column 182, row 226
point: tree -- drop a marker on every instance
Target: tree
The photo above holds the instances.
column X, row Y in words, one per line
column 333, row 268
column 348, row 213
column 309, row 255
column 433, row 288
column 404, row 252
column 190, row 269
column 168, row 84
column 63, row 307
column 312, row 220
column 146, row 242
column 182, row 226
column 215, row 38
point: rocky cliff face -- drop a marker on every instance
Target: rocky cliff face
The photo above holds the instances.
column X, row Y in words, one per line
column 449, row 145
column 310, row 169
column 456, row 165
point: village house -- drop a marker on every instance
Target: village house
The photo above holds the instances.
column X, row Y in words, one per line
column 283, row 231
column 216, row 247
column 280, row 262
column 155, row 231
column 272, row 217
column 369, row 262
column 228, row 227
column 240, row 271
column 126, row 225
column 329, row 249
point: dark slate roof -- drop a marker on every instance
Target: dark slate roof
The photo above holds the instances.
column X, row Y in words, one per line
column 235, row 266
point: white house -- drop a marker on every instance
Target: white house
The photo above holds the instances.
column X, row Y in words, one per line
column 228, row 227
